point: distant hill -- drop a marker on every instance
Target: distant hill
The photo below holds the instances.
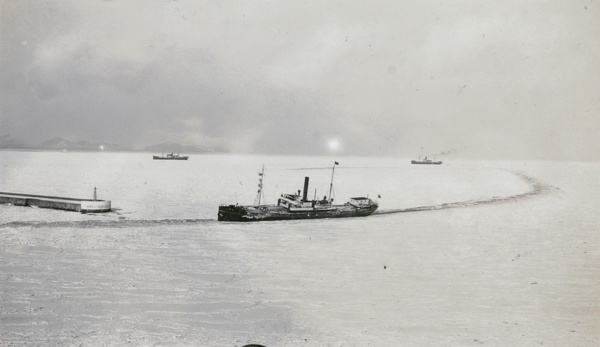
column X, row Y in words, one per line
column 171, row 146
column 61, row 144
column 8, row 142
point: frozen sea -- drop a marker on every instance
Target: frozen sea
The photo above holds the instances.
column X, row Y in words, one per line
column 469, row 253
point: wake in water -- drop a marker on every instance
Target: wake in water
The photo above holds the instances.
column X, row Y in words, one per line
column 121, row 223
column 537, row 188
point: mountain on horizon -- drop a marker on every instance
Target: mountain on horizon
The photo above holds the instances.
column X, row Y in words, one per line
column 59, row 143
column 62, row 144
column 8, row 142
column 172, row 146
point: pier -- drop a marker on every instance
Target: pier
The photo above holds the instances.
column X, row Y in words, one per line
column 55, row 202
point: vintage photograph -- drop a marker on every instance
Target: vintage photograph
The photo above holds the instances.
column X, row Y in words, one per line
column 299, row 173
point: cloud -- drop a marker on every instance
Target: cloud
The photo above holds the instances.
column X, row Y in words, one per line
column 384, row 79
column 305, row 64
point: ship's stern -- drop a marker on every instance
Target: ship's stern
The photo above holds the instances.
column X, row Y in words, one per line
column 232, row 213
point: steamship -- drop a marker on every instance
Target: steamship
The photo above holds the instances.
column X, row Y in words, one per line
column 296, row 206
column 426, row 161
column 170, row 156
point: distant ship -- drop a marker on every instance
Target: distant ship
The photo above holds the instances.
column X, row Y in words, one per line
column 426, row 161
column 170, row 156
column 294, row 206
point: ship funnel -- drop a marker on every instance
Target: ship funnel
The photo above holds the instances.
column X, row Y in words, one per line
column 305, row 193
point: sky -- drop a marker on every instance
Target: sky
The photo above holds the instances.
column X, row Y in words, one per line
column 464, row 79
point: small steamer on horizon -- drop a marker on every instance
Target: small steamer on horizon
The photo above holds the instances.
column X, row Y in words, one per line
column 426, row 161
column 294, row 206
column 170, row 156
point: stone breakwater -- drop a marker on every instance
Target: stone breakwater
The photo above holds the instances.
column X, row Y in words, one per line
column 54, row 202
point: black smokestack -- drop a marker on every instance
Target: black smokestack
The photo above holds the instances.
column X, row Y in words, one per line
column 305, row 193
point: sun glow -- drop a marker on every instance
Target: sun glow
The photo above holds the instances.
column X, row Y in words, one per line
column 334, row 144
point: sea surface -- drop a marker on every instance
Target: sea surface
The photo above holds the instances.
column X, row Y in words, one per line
column 465, row 253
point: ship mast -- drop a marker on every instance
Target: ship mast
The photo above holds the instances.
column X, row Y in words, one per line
column 331, row 185
column 260, row 187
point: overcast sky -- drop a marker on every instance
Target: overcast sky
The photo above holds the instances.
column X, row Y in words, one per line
column 475, row 79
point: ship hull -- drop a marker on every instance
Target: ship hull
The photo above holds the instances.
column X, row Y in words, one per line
column 235, row 213
column 166, row 158
column 426, row 162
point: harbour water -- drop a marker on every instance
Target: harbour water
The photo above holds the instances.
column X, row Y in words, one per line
column 497, row 253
